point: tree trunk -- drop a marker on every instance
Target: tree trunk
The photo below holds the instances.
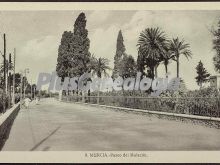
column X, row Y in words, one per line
column 156, row 66
column 152, row 72
column 60, row 95
column 89, row 94
column 200, row 85
column 98, row 98
column 178, row 65
column 166, row 69
column 83, row 96
column 77, row 93
column 99, row 75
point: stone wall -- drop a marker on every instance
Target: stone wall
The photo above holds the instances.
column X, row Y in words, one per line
column 6, row 121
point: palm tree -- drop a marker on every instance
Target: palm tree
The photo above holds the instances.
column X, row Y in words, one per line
column 166, row 59
column 98, row 67
column 178, row 48
column 152, row 44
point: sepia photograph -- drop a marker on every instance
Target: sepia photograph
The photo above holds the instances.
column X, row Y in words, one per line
column 109, row 80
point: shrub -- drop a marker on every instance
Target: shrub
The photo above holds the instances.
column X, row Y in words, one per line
column 4, row 101
column 205, row 102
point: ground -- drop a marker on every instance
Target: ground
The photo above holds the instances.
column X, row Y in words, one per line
column 57, row 126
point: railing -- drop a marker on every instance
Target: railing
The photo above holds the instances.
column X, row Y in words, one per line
column 203, row 106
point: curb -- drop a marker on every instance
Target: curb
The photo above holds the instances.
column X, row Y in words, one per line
column 208, row 121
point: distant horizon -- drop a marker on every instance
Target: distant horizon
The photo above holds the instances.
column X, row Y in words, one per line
column 37, row 34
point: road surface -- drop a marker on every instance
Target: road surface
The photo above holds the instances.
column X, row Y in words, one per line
column 58, row 126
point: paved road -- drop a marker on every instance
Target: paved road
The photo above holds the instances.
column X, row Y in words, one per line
column 56, row 126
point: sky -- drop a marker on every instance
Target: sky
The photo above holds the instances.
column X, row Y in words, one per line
column 36, row 36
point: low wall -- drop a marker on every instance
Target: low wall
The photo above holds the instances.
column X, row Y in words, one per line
column 6, row 121
column 195, row 119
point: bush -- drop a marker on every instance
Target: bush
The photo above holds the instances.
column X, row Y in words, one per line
column 4, row 101
column 205, row 102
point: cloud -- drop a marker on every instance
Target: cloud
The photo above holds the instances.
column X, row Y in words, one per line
column 39, row 55
column 99, row 16
column 103, row 42
column 37, row 48
column 192, row 26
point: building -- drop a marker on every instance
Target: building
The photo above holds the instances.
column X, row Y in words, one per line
column 215, row 81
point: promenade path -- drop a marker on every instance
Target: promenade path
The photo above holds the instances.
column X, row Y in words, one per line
column 57, row 126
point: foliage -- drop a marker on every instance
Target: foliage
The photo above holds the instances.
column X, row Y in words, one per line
column 141, row 64
column 4, row 101
column 99, row 66
column 154, row 48
column 216, row 47
column 202, row 74
column 80, row 47
column 73, row 53
column 152, row 45
column 128, row 67
column 44, row 94
column 178, row 48
column 8, row 67
column 182, row 87
column 64, row 55
column 166, row 58
column 120, row 53
column 203, row 102
column 17, row 79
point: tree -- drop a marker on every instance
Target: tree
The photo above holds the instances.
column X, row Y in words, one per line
column 128, row 67
column 80, row 46
column 202, row 74
column 141, row 64
column 216, row 62
column 25, row 84
column 166, row 62
column 8, row 67
column 17, row 80
column 31, row 88
column 73, row 53
column 2, row 77
column 216, row 46
column 98, row 67
column 120, row 52
column 178, row 48
column 65, row 53
column 182, row 86
column 152, row 45
column 166, row 58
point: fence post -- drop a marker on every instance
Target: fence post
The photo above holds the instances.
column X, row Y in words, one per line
column 175, row 107
column 83, row 97
column 98, row 98
column 218, row 113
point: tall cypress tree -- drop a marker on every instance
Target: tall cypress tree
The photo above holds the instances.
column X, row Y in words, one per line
column 73, row 52
column 64, row 55
column 120, row 52
column 80, row 46
column 202, row 74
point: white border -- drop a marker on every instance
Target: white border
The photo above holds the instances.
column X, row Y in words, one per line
column 77, row 156
column 30, row 6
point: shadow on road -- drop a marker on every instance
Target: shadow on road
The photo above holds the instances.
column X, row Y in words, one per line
column 43, row 140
